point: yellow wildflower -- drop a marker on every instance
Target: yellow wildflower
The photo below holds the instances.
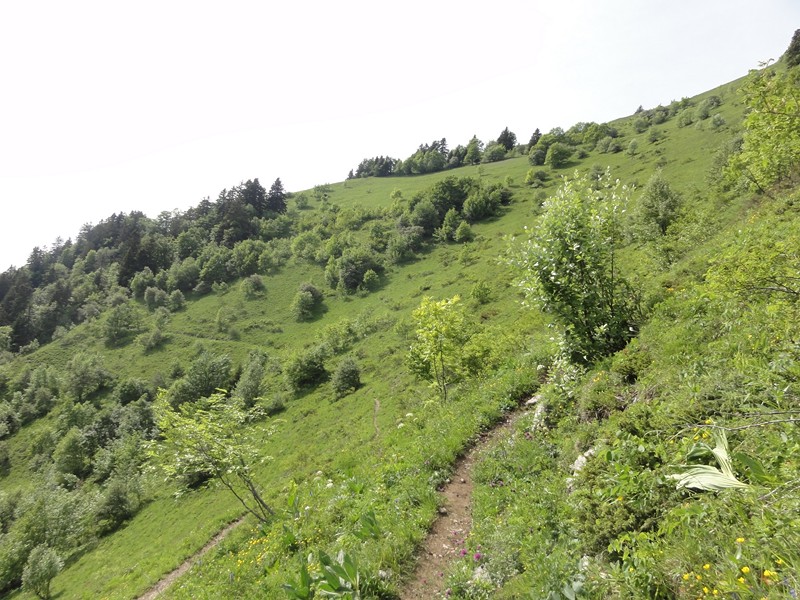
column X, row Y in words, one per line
column 706, row 567
column 740, row 540
column 740, row 580
column 686, row 577
column 698, row 577
column 745, row 570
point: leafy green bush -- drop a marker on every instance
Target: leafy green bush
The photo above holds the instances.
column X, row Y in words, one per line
column 346, row 378
column 306, row 368
column 43, row 564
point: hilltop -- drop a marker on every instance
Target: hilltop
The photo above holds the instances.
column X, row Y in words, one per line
column 350, row 342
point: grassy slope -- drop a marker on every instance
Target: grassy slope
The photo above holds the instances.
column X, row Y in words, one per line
column 340, row 439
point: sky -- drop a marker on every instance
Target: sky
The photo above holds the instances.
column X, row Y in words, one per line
column 109, row 107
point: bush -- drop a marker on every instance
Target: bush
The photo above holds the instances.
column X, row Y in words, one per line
column 557, row 155
column 537, row 156
column 253, row 286
column 131, row 389
column 302, row 307
column 305, row 369
column 346, row 378
column 43, row 564
column 154, row 298
column 249, row 386
column 115, row 506
column 176, row 301
column 371, row 280
column 463, row 233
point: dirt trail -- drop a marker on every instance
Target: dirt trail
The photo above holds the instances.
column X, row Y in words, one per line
column 445, row 539
column 170, row 578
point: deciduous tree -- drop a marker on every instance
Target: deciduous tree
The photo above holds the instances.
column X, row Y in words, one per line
column 209, row 436
column 568, row 266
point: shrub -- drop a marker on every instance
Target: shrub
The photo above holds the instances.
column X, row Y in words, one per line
column 43, row 564
column 463, row 233
column 253, row 286
column 154, row 298
column 371, row 280
column 640, row 125
column 303, row 305
column 537, row 156
column 305, row 369
column 557, row 155
column 176, row 301
column 346, row 378
column 131, row 389
column 249, row 386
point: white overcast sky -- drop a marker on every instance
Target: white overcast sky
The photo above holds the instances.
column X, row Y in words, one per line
column 111, row 106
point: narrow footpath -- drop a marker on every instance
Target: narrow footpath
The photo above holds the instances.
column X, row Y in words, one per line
column 446, row 537
column 170, row 578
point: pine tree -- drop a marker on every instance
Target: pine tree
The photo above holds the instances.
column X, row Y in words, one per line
column 276, row 197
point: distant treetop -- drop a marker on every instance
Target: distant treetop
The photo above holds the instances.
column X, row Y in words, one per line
column 792, row 53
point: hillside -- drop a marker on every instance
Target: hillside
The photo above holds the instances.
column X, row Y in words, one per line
column 310, row 321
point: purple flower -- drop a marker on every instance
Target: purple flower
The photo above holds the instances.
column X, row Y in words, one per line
column 477, row 556
column 463, row 552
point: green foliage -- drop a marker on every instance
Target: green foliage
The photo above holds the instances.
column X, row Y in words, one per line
column 253, row 287
column 568, row 265
column 306, row 368
column 346, row 378
column 474, row 151
column 441, row 330
column 463, row 233
column 249, row 386
column 659, row 205
column 307, row 301
column 208, row 437
column 771, row 141
column 207, row 374
column 42, row 566
column 69, row 456
column 122, row 322
column 84, row 375
column 494, row 152
column 557, row 155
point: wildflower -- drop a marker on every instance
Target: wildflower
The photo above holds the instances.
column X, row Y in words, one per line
column 778, row 561
column 745, row 570
column 463, row 552
column 705, row 590
column 740, row 580
column 630, row 569
column 709, row 421
column 686, row 577
column 715, row 592
column 477, row 556
column 740, row 540
column 706, row 567
column 698, row 577
column 768, row 573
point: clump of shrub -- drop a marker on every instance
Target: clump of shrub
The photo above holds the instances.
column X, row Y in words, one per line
column 306, row 368
column 306, row 301
column 253, row 286
column 346, row 378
